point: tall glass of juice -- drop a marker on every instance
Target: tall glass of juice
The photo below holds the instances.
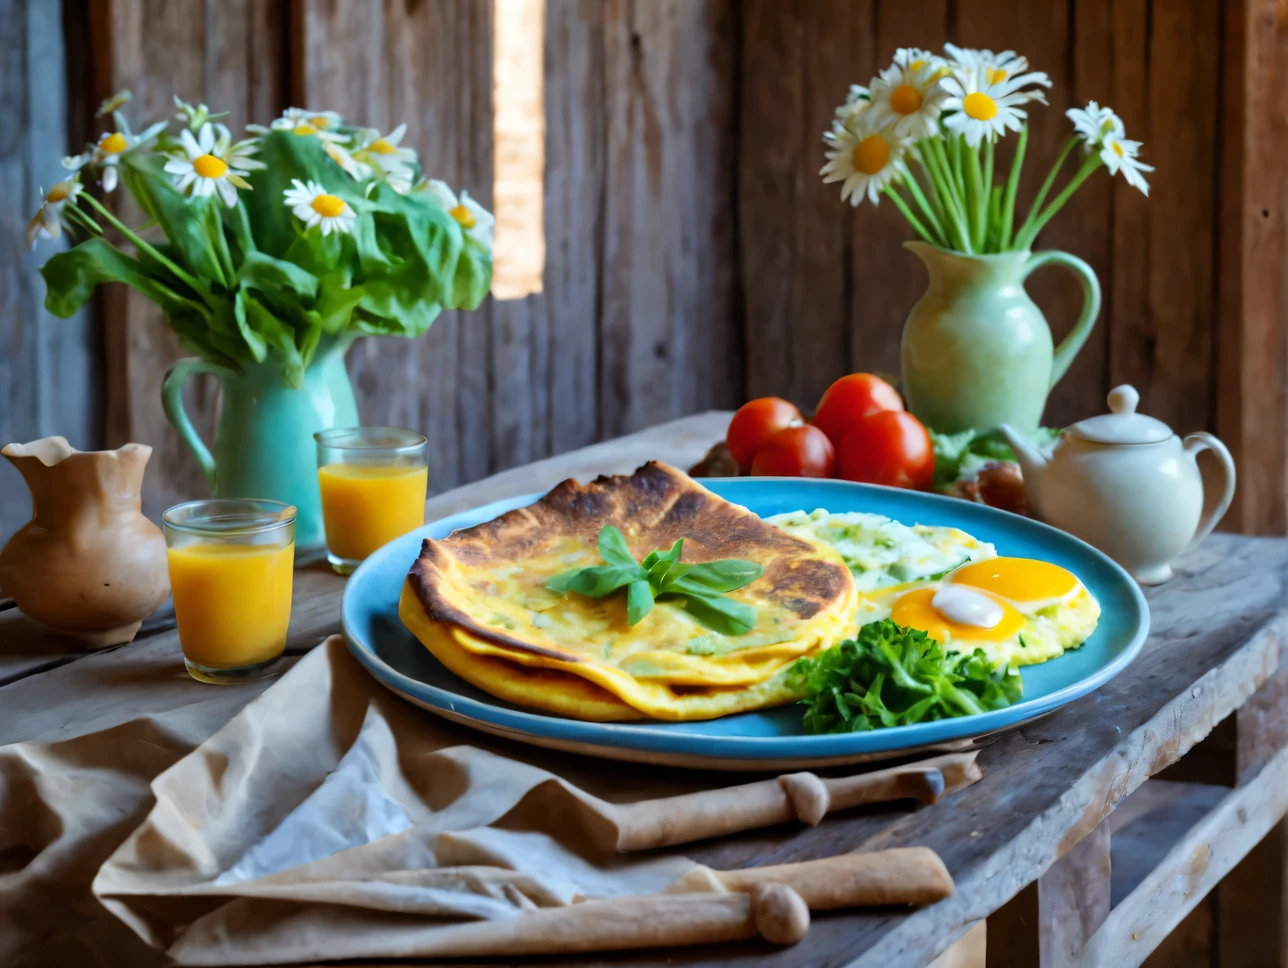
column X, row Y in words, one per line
column 231, row 565
column 373, row 482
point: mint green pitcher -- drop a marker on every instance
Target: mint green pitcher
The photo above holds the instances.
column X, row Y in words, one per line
column 264, row 444
column 977, row 352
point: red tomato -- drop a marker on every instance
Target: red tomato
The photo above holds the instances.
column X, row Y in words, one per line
column 849, row 400
column 755, row 423
column 891, row 448
column 795, row 452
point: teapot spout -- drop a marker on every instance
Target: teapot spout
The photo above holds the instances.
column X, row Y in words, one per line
column 1032, row 462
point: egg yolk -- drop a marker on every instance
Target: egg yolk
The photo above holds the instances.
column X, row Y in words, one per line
column 1024, row 581
column 914, row 610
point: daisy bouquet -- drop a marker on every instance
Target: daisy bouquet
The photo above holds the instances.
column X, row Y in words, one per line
column 262, row 247
column 945, row 116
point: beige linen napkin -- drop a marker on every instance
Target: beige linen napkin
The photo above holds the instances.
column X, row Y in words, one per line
column 327, row 819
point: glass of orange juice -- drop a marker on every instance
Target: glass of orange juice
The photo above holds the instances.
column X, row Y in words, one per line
column 231, row 565
column 373, row 482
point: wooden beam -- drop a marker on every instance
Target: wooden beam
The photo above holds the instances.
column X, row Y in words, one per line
column 1251, row 410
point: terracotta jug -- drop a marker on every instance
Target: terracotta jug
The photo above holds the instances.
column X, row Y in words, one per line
column 88, row 563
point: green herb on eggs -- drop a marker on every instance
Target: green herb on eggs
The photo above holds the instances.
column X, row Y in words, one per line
column 698, row 589
column 889, row 675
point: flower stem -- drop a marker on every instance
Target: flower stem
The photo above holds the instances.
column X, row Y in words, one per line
column 978, row 197
column 1012, row 187
column 932, row 150
column 915, row 222
column 81, row 218
column 932, row 221
column 191, row 281
column 1084, row 172
column 1036, row 207
column 987, row 199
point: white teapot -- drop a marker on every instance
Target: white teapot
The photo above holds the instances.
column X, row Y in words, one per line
column 1125, row 483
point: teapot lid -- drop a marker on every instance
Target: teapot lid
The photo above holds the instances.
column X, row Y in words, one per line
column 1123, row 425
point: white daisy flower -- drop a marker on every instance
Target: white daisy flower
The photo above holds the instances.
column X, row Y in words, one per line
column 908, row 95
column 195, row 117
column 1119, row 154
column 310, row 203
column 357, row 170
column 322, row 120
column 209, row 164
column 48, row 221
column 387, row 152
column 1094, row 122
column 865, row 158
column 113, row 103
column 107, row 152
column 476, row 220
column 994, row 67
column 982, row 110
column 855, row 101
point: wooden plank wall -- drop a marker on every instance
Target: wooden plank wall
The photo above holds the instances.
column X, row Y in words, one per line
column 48, row 367
column 694, row 258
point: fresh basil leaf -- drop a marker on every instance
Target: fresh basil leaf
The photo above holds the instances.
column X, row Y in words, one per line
column 639, row 601
column 720, row 614
column 723, row 576
column 613, row 548
column 650, row 560
column 596, row 581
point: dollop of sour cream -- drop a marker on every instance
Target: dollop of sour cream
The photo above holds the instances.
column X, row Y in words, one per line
column 962, row 606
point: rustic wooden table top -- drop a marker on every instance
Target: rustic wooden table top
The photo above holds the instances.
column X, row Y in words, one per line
column 1216, row 643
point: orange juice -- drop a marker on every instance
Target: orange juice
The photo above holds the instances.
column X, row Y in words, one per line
column 232, row 602
column 365, row 506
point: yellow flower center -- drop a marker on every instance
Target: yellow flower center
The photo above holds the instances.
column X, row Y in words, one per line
column 318, row 121
column 905, row 99
column 871, row 154
column 328, row 206
column 995, row 75
column 305, row 129
column 114, row 143
column 59, row 192
column 464, row 216
column 918, row 64
column 1118, row 149
column 208, row 166
column 979, row 106
column 382, row 147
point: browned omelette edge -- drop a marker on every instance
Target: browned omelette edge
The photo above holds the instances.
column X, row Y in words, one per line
column 660, row 499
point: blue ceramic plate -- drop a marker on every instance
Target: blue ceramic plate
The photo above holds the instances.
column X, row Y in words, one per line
column 772, row 739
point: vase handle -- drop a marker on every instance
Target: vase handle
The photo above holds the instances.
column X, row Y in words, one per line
column 172, row 403
column 1071, row 344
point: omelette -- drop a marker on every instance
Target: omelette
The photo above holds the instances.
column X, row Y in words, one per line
column 943, row 581
column 478, row 601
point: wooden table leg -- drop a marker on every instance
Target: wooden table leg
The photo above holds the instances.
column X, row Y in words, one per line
column 1047, row 924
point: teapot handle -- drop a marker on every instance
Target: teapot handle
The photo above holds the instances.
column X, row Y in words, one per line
column 1071, row 344
column 1213, row 513
column 172, row 404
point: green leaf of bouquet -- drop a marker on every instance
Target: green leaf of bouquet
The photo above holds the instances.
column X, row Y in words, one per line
column 336, row 300
column 277, row 334
column 726, row 615
column 404, row 307
column 72, row 276
column 613, row 548
column 473, row 277
column 314, row 252
column 727, row 575
column 639, row 601
column 287, row 156
column 258, row 345
column 276, row 277
column 182, row 219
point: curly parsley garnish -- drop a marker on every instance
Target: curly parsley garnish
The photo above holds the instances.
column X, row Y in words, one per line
column 893, row 676
column 698, row 589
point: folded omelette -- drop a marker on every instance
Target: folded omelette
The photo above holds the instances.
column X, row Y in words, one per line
column 477, row 600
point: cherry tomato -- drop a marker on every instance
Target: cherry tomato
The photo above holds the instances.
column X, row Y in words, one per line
column 755, row 423
column 795, row 452
column 891, row 447
column 849, row 400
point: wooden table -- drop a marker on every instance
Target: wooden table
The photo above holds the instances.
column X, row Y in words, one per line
column 1203, row 712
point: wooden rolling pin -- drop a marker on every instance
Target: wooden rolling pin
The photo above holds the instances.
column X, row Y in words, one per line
column 794, row 796
column 772, row 902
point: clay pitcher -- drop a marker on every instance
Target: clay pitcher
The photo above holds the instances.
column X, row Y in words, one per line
column 88, row 563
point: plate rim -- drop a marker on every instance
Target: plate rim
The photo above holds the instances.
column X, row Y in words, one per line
column 642, row 735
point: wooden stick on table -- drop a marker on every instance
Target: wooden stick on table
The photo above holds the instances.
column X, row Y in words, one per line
column 795, row 796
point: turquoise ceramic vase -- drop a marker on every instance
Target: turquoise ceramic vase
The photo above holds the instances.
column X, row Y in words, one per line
column 977, row 352
column 264, row 443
